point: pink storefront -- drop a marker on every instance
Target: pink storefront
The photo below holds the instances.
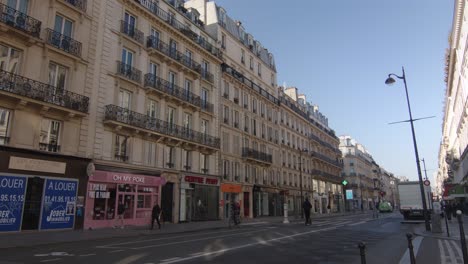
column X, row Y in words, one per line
column 106, row 189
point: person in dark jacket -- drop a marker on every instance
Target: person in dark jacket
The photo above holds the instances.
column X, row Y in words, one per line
column 156, row 214
column 448, row 211
column 307, row 206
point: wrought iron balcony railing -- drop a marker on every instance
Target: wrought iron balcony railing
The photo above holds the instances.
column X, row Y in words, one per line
column 161, row 46
column 80, row 4
column 166, row 87
column 325, row 158
column 128, row 72
column 131, row 31
column 122, row 115
column 20, row 21
column 23, row 86
column 207, row 75
column 63, row 42
column 49, row 147
column 184, row 29
column 121, row 157
column 257, row 155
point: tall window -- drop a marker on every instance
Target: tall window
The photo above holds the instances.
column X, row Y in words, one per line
column 187, row 159
column 254, row 105
column 9, row 59
column 204, row 126
column 242, row 56
column 226, row 90
column 150, row 153
column 246, row 101
column 259, row 69
column 120, row 148
column 204, row 98
column 4, row 125
column 188, row 55
column 20, row 5
column 236, row 171
column 251, row 63
column 246, row 123
column 172, row 80
column 125, row 99
column 205, row 68
column 172, row 48
column 155, row 37
column 169, row 157
column 152, row 109
column 204, row 163
column 63, row 26
column 153, row 69
column 226, row 114
column 127, row 57
column 130, row 24
column 57, row 76
column 49, row 138
column 226, row 164
column 247, row 173
column 254, row 126
column 223, row 40
column 171, row 116
column 188, row 88
column 236, row 118
column 187, row 121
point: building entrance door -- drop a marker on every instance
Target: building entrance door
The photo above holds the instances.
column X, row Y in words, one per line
column 32, row 204
column 167, row 198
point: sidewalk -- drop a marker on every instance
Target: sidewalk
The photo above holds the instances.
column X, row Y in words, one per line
column 448, row 248
column 36, row 238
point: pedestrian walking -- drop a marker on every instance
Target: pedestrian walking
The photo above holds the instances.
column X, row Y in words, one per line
column 156, row 215
column 448, row 211
column 307, row 206
column 120, row 215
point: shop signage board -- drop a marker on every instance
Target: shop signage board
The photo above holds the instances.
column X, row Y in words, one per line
column 12, row 192
column 201, row 180
column 59, row 204
column 349, row 194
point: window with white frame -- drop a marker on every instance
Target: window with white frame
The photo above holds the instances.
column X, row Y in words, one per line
column 172, row 48
column 259, row 69
column 125, row 99
column 171, row 113
column 188, row 88
column 57, row 76
column 226, row 114
column 247, row 173
column 153, row 69
column 246, row 100
column 152, row 108
column 242, row 56
column 172, row 79
column 205, row 68
column 150, row 153
column 4, row 125
column 10, row 59
column 49, row 138
column 130, row 24
column 155, row 36
column 20, row 5
column 127, row 57
column 120, row 148
column 63, row 26
column 251, row 63
column 226, row 90
column 223, row 40
column 187, row 121
column 204, row 126
column 246, row 123
column 236, row 171
column 236, row 118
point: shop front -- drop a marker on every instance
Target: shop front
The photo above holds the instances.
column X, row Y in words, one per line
column 231, row 193
column 40, row 191
column 106, row 190
column 199, row 200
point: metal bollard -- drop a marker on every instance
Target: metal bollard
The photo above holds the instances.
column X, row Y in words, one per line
column 462, row 237
column 362, row 250
column 446, row 224
column 410, row 246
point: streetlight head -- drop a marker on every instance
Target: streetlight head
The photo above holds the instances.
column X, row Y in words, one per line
column 389, row 81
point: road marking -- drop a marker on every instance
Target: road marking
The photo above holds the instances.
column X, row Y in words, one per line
column 196, row 254
column 169, row 260
column 163, row 238
column 254, row 223
column 115, row 251
column 50, row 260
column 405, row 259
column 198, row 239
column 247, row 245
column 87, row 255
column 358, row 223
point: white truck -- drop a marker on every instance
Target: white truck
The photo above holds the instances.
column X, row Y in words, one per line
column 411, row 205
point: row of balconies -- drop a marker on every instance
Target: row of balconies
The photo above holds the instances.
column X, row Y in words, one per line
column 32, row 27
column 159, row 127
column 163, row 86
column 181, row 27
column 25, row 87
column 256, row 155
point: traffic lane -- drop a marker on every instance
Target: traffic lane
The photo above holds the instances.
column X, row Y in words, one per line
column 151, row 252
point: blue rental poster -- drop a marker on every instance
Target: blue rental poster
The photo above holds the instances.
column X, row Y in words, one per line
column 12, row 189
column 59, row 203
column 349, row 194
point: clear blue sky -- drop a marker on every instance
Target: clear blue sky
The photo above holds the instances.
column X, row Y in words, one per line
column 339, row 54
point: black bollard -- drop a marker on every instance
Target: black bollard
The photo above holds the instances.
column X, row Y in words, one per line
column 410, row 246
column 462, row 237
column 446, row 224
column 362, row 250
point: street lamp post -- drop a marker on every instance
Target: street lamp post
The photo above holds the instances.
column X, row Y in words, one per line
column 300, row 181
column 390, row 81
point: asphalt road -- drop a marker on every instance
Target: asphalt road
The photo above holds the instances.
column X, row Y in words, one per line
column 325, row 241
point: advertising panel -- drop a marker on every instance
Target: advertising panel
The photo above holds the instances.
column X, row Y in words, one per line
column 59, row 204
column 349, row 194
column 12, row 189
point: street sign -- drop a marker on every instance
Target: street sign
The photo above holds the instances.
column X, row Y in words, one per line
column 427, row 182
column 344, row 182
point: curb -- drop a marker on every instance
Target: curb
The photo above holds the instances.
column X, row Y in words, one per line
column 435, row 236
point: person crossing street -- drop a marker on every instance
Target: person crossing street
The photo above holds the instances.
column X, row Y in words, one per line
column 307, row 206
